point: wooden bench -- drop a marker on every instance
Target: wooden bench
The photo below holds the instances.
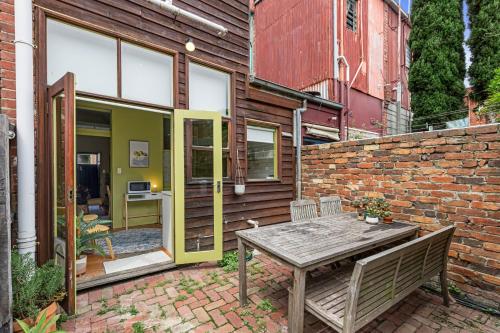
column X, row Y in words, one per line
column 359, row 293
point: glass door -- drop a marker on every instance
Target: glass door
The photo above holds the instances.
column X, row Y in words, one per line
column 62, row 119
column 197, row 186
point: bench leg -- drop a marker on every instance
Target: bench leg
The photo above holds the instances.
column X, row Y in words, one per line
column 443, row 277
column 242, row 269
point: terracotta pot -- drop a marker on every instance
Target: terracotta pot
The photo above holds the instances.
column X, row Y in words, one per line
column 51, row 311
column 388, row 220
column 81, row 265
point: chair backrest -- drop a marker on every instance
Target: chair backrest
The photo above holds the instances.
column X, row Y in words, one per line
column 381, row 280
column 330, row 206
column 110, row 202
column 303, row 210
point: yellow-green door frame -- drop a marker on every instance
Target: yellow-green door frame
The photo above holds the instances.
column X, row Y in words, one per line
column 181, row 256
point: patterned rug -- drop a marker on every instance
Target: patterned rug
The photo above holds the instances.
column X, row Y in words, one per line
column 134, row 240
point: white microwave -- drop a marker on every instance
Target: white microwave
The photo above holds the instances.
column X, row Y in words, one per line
column 136, row 187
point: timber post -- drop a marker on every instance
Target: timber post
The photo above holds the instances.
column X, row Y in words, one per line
column 5, row 241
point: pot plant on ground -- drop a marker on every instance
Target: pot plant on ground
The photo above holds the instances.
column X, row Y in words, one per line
column 43, row 324
column 35, row 290
column 85, row 242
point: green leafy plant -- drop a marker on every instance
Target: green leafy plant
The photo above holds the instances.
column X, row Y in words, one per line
column 85, row 241
column 266, row 305
column 138, row 327
column 43, row 325
column 229, row 260
column 34, row 288
column 491, row 107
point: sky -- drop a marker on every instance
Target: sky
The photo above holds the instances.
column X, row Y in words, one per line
column 466, row 48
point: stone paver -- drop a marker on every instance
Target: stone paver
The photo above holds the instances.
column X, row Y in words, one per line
column 205, row 299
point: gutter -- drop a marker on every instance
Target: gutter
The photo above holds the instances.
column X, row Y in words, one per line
column 271, row 86
column 176, row 11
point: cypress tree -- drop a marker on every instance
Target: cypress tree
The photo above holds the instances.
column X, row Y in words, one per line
column 437, row 71
column 484, row 44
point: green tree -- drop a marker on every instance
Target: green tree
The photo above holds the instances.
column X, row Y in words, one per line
column 437, row 71
column 484, row 44
column 491, row 107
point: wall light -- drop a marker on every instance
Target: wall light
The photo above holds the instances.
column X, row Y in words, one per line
column 190, row 47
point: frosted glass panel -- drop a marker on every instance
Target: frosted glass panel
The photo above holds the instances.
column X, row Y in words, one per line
column 256, row 134
column 208, row 89
column 146, row 75
column 92, row 57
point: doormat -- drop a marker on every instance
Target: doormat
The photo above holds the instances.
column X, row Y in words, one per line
column 133, row 240
column 142, row 260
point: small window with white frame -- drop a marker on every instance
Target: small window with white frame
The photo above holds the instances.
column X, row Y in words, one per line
column 262, row 152
column 209, row 89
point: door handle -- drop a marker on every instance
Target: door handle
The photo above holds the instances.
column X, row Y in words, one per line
column 70, row 195
column 218, row 186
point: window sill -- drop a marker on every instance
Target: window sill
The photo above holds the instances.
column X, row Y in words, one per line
column 274, row 180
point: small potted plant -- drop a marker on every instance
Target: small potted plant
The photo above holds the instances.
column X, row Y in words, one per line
column 372, row 213
column 239, row 184
column 360, row 205
column 35, row 291
column 85, row 242
column 383, row 207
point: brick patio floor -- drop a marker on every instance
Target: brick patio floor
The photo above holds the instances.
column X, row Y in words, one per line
column 205, row 299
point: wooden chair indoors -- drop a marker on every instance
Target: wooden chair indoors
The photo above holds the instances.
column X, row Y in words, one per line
column 330, row 206
column 303, row 210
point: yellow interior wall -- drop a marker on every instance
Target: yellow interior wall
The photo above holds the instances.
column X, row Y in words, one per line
column 137, row 125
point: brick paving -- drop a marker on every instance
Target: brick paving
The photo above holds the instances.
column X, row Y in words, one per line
column 205, row 299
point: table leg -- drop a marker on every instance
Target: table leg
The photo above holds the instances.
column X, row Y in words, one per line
column 242, row 272
column 126, row 214
column 296, row 313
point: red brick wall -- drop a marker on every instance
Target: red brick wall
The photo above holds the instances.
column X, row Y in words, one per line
column 8, row 87
column 433, row 179
column 7, row 70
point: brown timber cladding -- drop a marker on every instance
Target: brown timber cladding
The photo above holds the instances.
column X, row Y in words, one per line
column 140, row 21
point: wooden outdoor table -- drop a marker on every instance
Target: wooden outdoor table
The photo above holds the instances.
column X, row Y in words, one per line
column 307, row 245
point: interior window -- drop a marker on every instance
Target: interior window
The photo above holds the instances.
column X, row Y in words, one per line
column 262, row 159
column 209, row 89
column 352, row 13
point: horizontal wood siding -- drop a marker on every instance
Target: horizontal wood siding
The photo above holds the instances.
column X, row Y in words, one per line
column 142, row 21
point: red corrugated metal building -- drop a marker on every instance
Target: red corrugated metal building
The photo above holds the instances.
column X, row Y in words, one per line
column 293, row 46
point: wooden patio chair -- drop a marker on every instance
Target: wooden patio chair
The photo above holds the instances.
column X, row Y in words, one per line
column 303, row 210
column 330, row 206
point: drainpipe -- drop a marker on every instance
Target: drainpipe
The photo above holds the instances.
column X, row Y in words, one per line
column 347, row 78
column 251, row 18
column 176, row 11
column 335, row 47
column 298, row 154
column 398, row 88
column 26, row 241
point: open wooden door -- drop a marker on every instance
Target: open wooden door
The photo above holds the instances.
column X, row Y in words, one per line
column 61, row 106
column 197, row 186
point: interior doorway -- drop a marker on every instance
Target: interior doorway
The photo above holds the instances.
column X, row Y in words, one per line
column 123, row 182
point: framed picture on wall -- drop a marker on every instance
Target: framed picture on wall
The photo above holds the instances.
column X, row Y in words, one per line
column 139, row 154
